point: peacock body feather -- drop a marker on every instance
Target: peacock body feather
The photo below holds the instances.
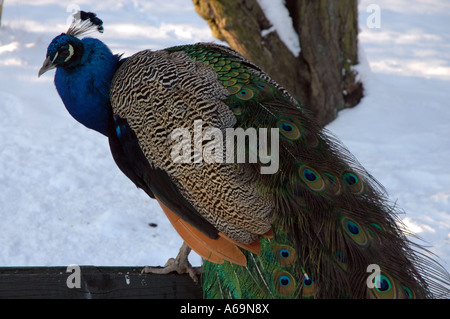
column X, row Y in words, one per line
column 90, row 74
column 313, row 228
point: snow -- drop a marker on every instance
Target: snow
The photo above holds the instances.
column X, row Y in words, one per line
column 63, row 200
column 278, row 15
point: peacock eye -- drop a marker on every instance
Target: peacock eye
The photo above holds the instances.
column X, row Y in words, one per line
column 64, row 53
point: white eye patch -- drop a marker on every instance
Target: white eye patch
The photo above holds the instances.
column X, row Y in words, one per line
column 56, row 55
column 70, row 53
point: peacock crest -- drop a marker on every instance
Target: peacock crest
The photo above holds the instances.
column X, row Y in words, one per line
column 84, row 23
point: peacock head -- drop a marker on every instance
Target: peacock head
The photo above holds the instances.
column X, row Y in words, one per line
column 66, row 50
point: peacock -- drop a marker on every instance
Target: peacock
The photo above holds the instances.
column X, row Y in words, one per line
column 273, row 203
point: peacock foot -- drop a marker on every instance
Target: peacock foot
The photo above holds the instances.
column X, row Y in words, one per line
column 180, row 264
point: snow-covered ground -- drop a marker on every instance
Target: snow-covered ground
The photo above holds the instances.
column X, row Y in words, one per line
column 63, row 200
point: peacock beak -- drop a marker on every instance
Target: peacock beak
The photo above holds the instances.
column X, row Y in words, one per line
column 48, row 65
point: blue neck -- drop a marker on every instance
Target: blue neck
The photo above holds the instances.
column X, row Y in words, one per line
column 85, row 88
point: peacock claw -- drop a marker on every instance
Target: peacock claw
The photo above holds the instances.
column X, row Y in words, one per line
column 180, row 264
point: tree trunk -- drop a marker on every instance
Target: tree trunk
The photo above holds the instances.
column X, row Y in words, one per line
column 321, row 76
column 1, row 9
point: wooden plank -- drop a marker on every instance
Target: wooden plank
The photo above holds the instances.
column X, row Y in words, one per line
column 94, row 283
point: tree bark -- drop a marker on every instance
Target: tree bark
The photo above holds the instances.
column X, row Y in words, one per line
column 1, row 9
column 321, row 77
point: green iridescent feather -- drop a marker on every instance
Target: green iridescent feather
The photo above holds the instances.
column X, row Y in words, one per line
column 331, row 215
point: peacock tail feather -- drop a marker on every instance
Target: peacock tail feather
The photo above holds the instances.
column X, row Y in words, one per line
column 330, row 218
